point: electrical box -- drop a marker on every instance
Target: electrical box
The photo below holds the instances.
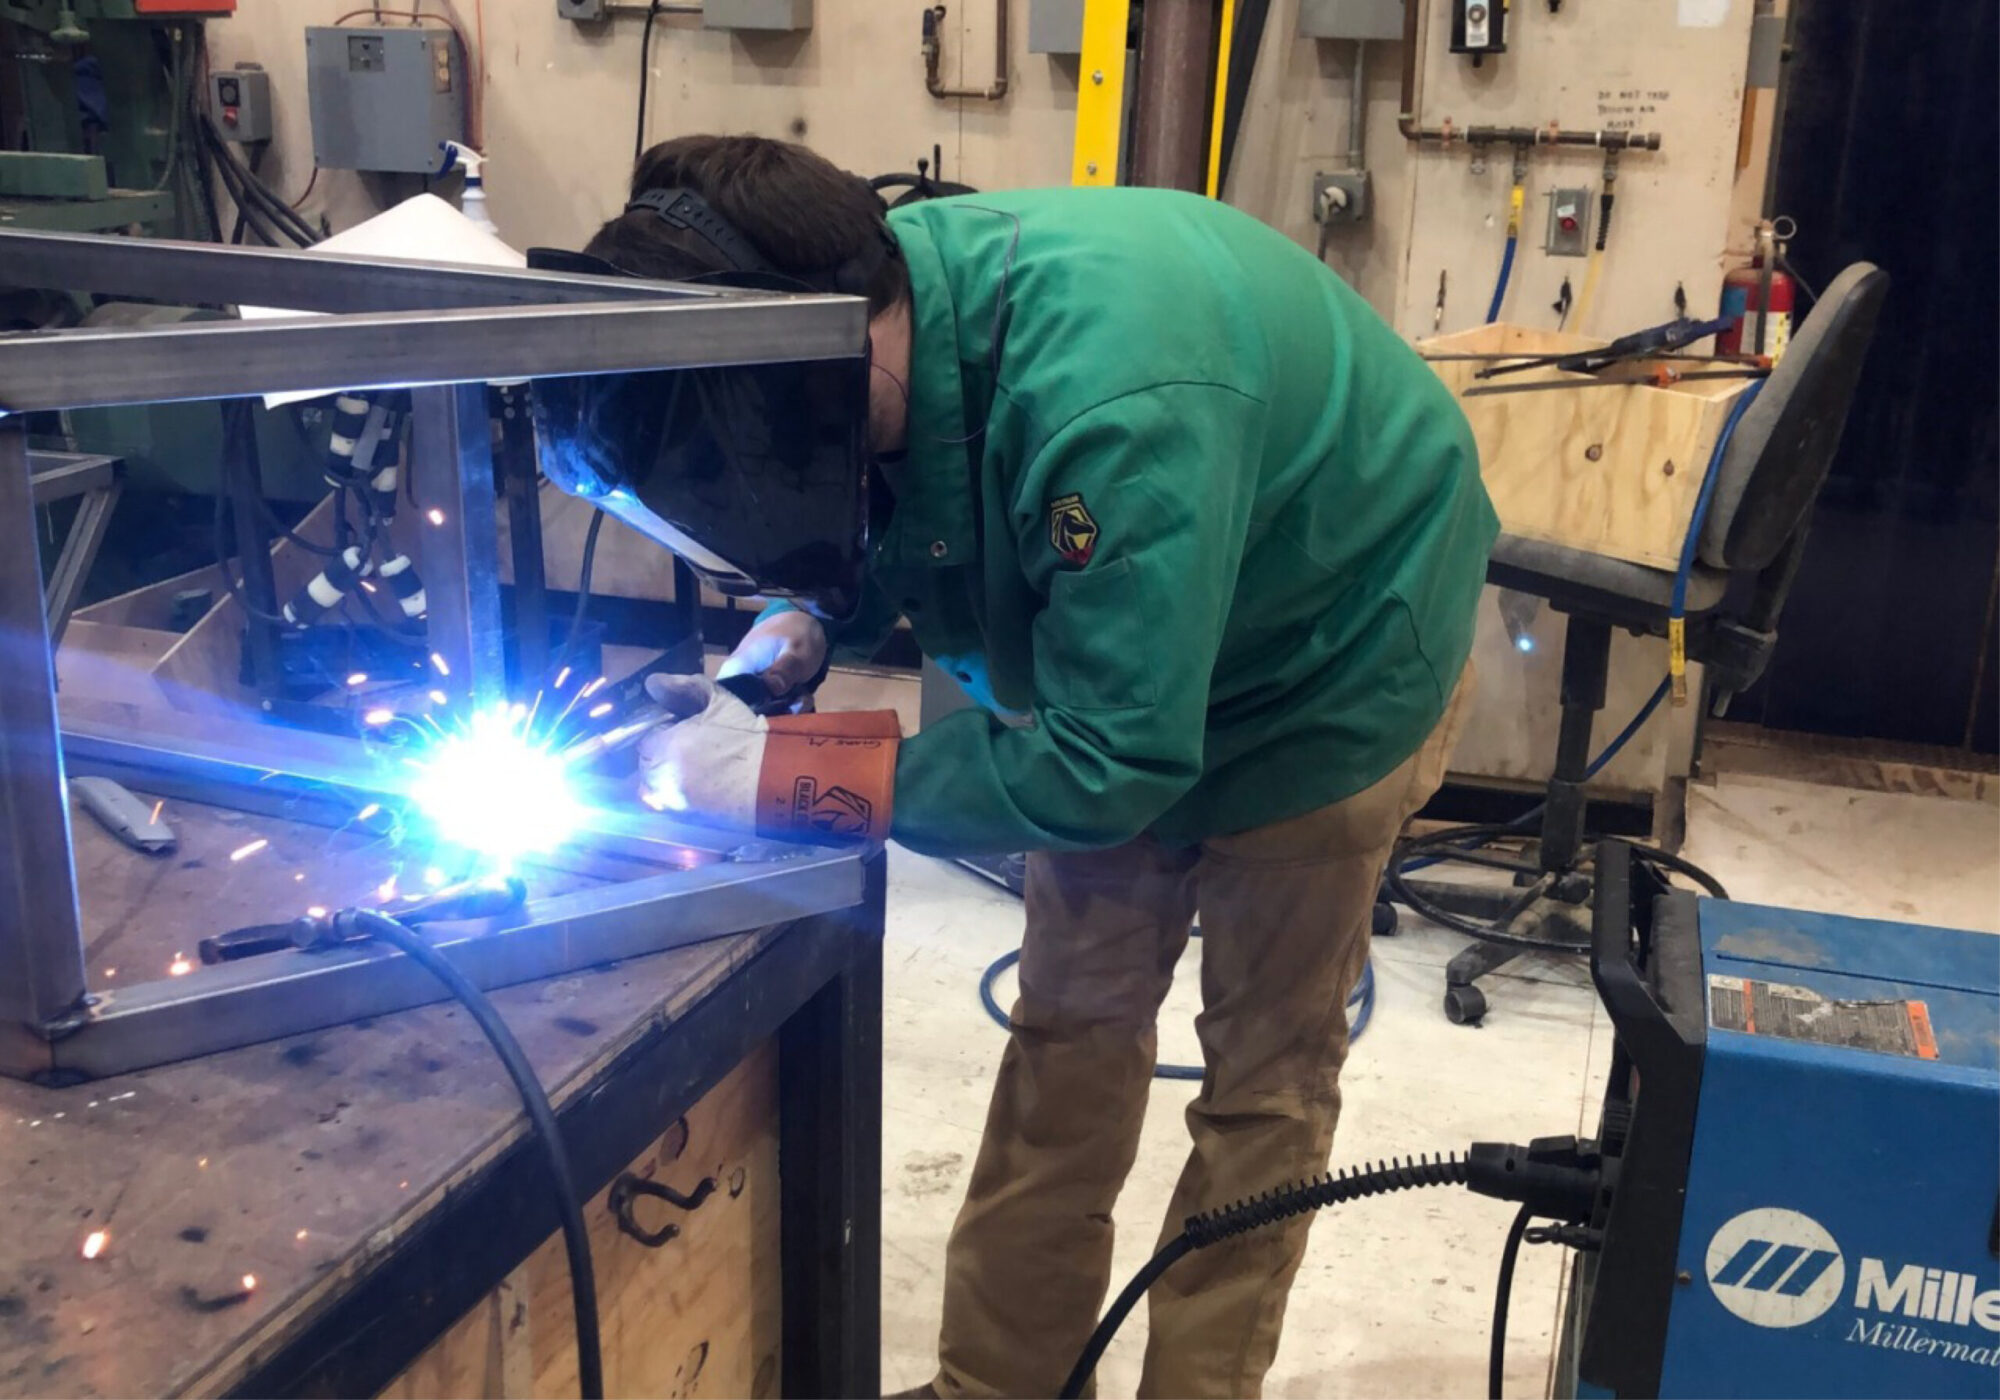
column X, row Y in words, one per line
column 1478, row 27
column 583, row 10
column 757, row 14
column 383, row 98
column 239, row 102
column 1343, row 197
column 1569, row 224
column 1351, row 19
column 1055, row 26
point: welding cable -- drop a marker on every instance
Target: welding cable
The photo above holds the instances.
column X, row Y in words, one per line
column 1503, row 1293
column 325, row 589
column 1360, row 1005
column 567, row 654
column 247, row 189
column 576, row 1239
column 1212, row 1227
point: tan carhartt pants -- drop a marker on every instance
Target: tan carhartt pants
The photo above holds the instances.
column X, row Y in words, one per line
column 1285, row 912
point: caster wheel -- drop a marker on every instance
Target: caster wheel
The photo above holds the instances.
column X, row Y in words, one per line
column 1384, row 923
column 1464, row 1006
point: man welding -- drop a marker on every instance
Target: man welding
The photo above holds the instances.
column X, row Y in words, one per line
column 1204, row 539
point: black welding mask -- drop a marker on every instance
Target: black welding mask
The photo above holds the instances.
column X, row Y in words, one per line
column 756, row 475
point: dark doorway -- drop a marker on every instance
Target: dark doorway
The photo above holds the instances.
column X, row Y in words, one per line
column 1888, row 155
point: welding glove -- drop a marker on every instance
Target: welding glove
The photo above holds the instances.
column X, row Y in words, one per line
column 808, row 777
column 785, row 649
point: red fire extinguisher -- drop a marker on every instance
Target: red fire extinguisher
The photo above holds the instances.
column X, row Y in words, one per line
column 1757, row 298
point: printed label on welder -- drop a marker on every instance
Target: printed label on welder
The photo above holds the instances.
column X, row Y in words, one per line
column 1799, row 1013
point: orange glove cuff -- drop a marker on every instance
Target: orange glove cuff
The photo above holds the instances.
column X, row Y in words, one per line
column 829, row 776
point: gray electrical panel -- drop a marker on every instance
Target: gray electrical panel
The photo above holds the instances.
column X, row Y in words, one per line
column 1055, row 26
column 383, row 98
column 757, row 14
column 1351, row 19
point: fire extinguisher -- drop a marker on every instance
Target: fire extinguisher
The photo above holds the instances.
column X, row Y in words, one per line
column 1757, row 298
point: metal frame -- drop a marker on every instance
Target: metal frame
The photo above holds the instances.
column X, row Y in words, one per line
column 56, row 476
column 444, row 330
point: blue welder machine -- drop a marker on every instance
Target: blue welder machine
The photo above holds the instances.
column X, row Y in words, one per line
column 1795, row 1185
column 1801, row 1155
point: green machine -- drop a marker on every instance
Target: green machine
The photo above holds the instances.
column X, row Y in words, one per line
column 94, row 117
column 101, row 117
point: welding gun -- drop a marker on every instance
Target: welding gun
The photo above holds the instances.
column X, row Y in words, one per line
column 1642, row 344
column 471, row 899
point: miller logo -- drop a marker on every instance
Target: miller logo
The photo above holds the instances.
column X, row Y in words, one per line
column 838, row 812
column 1072, row 529
column 1775, row 1268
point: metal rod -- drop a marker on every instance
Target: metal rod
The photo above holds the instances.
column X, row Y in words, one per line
column 452, row 457
column 384, row 350
column 1357, row 109
column 212, row 275
column 41, row 934
column 520, row 479
column 245, row 491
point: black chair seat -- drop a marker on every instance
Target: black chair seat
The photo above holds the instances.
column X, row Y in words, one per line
column 1576, row 580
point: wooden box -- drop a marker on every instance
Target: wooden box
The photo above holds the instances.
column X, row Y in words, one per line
column 1612, row 470
column 697, row 1315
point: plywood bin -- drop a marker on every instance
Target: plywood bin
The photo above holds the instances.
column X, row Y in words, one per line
column 1612, row 470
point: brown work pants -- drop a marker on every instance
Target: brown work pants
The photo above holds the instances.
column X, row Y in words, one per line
column 1285, row 921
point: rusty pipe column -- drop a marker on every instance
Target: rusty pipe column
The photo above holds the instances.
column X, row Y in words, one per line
column 1170, row 115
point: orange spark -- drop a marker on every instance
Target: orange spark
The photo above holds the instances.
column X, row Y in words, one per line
column 249, row 849
column 94, row 1242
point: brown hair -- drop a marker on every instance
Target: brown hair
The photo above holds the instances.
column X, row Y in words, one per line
column 806, row 216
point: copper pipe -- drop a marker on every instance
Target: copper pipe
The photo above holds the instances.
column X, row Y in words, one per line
column 1168, row 118
column 1408, row 121
column 934, row 56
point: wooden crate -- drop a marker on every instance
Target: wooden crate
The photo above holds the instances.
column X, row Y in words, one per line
column 698, row 1316
column 1611, row 470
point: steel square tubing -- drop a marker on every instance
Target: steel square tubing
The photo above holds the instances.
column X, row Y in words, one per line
column 203, row 274
column 451, row 452
column 219, row 1008
column 41, row 936
column 317, row 779
column 324, row 354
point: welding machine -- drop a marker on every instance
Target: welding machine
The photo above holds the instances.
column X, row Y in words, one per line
column 1801, row 1146
column 1795, row 1186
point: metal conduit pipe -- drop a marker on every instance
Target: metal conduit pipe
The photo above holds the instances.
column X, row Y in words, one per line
column 934, row 56
column 1169, row 120
column 1408, row 119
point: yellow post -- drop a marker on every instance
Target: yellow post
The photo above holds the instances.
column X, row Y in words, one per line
column 1222, row 97
column 1100, row 97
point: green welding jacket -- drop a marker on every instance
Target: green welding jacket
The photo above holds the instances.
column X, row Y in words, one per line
column 1199, row 532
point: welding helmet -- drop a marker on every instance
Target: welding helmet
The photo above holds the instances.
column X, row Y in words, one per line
column 755, row 475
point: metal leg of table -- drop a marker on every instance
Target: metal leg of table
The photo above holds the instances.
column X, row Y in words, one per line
column 79, row 552
column 451, row 448
column 830, row 1167
column 41, row 935
column 518, row 470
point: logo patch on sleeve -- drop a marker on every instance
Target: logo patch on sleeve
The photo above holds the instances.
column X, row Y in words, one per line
column 1072, row 529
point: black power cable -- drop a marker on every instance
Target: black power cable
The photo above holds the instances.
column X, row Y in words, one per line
column 1503, row 1292
column 645, row 79
column 582, row 589
column 1212, row 1227
column 1559, row 1178
column 576, row 1239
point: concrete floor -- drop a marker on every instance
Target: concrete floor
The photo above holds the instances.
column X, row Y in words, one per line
column 1395, row 1294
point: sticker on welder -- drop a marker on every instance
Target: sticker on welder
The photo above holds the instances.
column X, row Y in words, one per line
column 1894, row 1027
column 1072, row 529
